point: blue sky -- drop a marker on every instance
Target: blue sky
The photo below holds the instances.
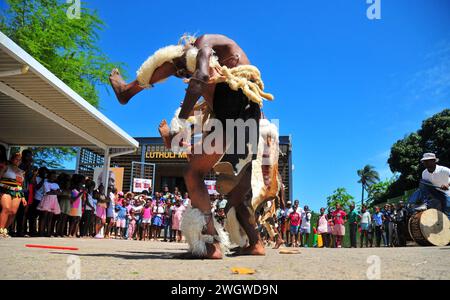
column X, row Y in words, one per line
column 346, row 87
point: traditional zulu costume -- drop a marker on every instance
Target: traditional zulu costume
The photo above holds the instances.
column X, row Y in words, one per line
column 238, row 95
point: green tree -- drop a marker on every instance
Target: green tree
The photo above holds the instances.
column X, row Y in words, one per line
column 434, row 136
column 367, row 177
column 435, row 133
column 376, row 193
column 52, row 158
column 67, row 47
column 341, row 196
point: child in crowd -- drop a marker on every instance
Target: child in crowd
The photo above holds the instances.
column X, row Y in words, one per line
column 64, row 204
column 305, row 228
column 339, row 218
column 186, row 199
column 294, row 218
column 120, row 220
column 100, row 215
column 330, row 229
column 131, row 224
column 167, row 220
column 38, row 193
column 146, row 220
column 49, row 205
column 157, row 214
column 77, row 198
column 138, row 209
column 323, row 228
column 110, row 211
column 366, row 219
column 177, row 215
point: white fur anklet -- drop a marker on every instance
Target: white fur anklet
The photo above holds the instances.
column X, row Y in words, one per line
column 192, row 225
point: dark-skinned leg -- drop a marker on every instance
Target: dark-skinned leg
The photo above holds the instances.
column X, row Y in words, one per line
column 123, row 91
column 199, row 165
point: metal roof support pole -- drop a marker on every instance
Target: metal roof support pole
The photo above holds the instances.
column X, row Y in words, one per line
column 106, row 164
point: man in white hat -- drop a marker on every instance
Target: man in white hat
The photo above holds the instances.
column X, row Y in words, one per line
column 437, row 175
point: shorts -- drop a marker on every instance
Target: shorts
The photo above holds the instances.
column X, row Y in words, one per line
column 157, row 221
column 147, row 221
column 294, row 229
column 120, row 223
column 283, row 226
column 306, row 230
column 364, row 226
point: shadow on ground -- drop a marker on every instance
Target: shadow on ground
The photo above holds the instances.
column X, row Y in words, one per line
column 137, row 256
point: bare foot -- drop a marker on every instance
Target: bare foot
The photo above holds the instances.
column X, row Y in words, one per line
column 213, row 251
column 278, row 243
column 257, row 249
column 119, row 86
column 164, row 131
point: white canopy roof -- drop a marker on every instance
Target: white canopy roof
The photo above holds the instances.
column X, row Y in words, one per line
column 38, row 109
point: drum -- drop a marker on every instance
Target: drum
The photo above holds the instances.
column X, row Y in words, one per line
column 430, row 228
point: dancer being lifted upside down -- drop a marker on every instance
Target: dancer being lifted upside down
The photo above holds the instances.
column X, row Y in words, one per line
column 217, row 69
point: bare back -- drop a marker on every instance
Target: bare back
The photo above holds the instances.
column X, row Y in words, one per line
column 227, row 51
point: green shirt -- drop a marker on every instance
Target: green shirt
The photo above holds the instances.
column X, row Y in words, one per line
column 353, row 217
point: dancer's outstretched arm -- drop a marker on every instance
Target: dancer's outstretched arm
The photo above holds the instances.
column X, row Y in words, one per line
column 197, row 83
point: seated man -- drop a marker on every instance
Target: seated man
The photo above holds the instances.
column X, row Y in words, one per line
column 439, row 177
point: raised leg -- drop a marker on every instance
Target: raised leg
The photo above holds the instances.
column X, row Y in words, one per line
column 124, row 92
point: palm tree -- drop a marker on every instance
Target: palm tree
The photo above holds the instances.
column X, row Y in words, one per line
column 367, row 177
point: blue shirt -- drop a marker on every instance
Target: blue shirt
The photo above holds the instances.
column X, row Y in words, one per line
column 121, row 212
column 378, row 218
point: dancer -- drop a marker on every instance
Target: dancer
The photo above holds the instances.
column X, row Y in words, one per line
column 218, row 70
column 11, row 192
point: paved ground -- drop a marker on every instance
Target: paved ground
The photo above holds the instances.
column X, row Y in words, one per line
column 118, row 259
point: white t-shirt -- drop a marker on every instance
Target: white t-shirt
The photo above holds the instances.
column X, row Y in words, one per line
column 440, row 177
column 138, row 209
column 50, row 186
column 90, row 199
column 365, row 218
column 39, row 193
column 158, row 210
column 299, row 210
column 306, row 219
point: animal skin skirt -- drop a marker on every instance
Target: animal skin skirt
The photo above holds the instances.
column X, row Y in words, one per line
column 234, row 105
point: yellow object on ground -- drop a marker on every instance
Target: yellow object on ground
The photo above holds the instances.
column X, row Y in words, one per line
column 289, row 251
column 243, row 271
column 319, row 241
